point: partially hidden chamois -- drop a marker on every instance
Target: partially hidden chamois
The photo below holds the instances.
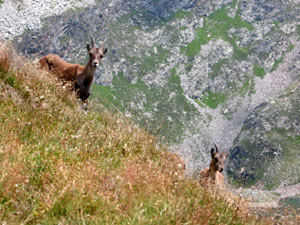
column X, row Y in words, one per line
column 213, row 174
column 81, row 76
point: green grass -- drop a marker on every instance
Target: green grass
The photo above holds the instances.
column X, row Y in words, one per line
column 221, row 24
column 194, row 47
column 183, row 28
column 180, row 14
column 216, row 68
column 276, row 26
column 150, row 63
column 259, row 71
column 212, row 100
column 233, row 4
column 277, row 63
column 218, row 25
column 105, row 94
column 61, row 165
column 240, row 53
column 226, row 22
column 280, row 60
column 153, row 100
column 290, row 47
column 247, row 88
column 298, row 30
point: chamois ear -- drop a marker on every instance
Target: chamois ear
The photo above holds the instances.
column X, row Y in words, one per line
column 104, row 51
column 212, row 152
column 88, row 47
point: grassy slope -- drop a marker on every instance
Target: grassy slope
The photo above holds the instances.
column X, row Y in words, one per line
column 60, row 165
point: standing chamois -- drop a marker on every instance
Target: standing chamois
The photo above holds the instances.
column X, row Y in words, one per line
column 81, row 76
column 213, row 174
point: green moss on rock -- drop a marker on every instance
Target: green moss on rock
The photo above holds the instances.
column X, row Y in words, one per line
column 259, row 71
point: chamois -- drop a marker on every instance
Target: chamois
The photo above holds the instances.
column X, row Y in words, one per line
column 213, row 173
column 81, row 76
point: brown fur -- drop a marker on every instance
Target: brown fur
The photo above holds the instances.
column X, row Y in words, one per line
column 81, row 76
column 213, row 174
column 63, row 70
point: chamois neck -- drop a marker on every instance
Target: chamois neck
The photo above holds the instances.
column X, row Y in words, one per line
column 89, row 69
column 212, row 170
column 86, row 76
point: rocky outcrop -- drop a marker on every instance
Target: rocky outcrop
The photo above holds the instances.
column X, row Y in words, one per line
column 266, row 152
column 18, row 16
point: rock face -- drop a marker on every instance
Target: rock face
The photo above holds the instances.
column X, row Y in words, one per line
column 18, row 16
column 266, row 152
column 190, row 72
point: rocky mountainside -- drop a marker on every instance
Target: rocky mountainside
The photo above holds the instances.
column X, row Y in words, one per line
column 266, row 152
column 191, row 72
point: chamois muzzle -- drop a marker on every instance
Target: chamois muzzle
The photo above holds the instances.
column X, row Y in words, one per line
column 95, row 63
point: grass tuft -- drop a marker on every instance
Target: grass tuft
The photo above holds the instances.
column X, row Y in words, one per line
column 259, row 71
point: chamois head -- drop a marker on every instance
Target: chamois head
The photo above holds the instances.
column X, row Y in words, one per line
column 96, row 54
column 217, row 159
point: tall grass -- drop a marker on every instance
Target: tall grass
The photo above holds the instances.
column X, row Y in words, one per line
column 60, row 165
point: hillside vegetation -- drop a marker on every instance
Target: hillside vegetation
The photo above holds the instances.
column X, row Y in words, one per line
column 189, row 72
column 61, row 165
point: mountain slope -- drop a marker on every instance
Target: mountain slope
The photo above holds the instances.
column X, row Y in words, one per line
column 189, row 71
column 62, row 165
column 266, row 152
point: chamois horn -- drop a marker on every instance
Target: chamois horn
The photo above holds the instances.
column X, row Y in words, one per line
column 216, row 148
column 93, row 43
